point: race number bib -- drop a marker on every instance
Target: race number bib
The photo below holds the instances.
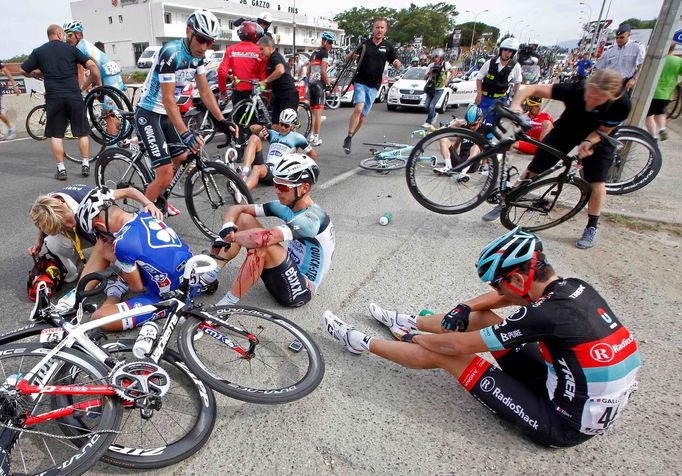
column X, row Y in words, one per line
column 111, row 68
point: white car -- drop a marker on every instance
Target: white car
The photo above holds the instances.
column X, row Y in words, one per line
column 408, row 91
column 348, row 97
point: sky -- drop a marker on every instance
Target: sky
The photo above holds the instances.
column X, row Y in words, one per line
column 549, row 21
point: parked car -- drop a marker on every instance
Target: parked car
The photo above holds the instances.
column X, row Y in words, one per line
column 348, row 97
column 145, row 59
column 408, row 91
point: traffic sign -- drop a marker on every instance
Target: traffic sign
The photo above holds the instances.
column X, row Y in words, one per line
column 677, row 37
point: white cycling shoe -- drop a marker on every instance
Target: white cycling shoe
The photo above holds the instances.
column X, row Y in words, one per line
column 341, row 331
column 389, row 319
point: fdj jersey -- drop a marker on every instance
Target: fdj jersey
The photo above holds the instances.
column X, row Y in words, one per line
column 155, row 249
column 283, row 144
column 311, row 237
column 173, row 64
column 109, row 69
column 591, row 358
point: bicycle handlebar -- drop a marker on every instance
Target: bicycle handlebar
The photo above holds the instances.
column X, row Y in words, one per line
column 502, row 111
column 102, row 277
column 200, row 264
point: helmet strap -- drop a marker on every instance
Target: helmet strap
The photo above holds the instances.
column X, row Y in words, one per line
column 525, row 292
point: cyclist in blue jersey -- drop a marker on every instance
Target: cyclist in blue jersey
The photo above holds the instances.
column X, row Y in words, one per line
column 158, row 119
column 282, row 143
column 291, row 273
column 567, row 365
column 149, row 254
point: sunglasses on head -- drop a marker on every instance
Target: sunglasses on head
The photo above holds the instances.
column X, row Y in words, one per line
column 204, row 41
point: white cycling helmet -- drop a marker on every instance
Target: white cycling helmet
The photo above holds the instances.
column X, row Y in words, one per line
column 73, row 27
column 204, row 23
column 265, row 17
column 288, row 116
column 510, row 43
column 295, row 169
column 96, row 201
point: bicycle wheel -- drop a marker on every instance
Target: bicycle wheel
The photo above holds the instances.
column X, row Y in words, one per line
column 282, row 364
column 106, row 127
column 674, row 107
column 305, row 119
column 636, row 164
column 174, row 432
column 221, row 188
column 204, row 125
column 346, row 76
column 332, row 100
column 116, row 168
column 35, row 122
column 545, row 203
column 42, row 446
column 245, row 115
column 463, row 188
column 379, row 164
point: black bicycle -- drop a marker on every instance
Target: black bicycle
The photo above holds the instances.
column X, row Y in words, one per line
column 674, row 107
column 209, row 188
column 537, row 203
column 636, row 164
column 344, row 79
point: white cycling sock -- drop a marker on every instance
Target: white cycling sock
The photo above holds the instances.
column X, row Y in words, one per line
column 61, row 166
column 359, row 340
column 210, row 276
column 229, row 299
column 448, row 162
column 86, row 161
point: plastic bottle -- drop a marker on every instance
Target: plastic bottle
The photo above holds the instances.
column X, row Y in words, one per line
column 144, row 341
column 426, row 312
column 385, row 219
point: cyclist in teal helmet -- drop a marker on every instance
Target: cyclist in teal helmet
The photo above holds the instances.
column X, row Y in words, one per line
column 565, row 364
column 455, row 151
column 328, row 36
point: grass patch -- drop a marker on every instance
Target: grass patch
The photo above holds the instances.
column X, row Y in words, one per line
column 642, row 226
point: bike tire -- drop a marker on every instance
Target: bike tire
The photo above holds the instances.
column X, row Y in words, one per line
column 332, row 100
column 275, row 334
column 347, row 75
column 470, row 187
column 674, row 108
column 152, row 443
column 245, row 116
column 635, row 165
column 383, row 165
column 93, row 107
column 305, row 118
column 108, row 413
column 116, row 168
column 542, row 198
column 207, row 208
column 36, row 120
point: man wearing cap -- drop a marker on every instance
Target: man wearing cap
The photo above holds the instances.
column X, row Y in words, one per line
column 625, row 56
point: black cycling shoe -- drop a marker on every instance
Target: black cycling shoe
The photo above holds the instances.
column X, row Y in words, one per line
column 209, row 289
column 347, row 144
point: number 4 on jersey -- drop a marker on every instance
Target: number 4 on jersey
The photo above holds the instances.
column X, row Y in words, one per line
column 608, row 416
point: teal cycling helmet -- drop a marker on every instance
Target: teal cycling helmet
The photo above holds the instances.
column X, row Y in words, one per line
column 73, row 27
column 473, row 114
column 506, row 253
column 328, row 36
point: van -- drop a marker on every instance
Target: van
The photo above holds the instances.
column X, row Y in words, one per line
column 145, row 60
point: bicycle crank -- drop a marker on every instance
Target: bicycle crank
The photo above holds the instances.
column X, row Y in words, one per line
column 143, row 383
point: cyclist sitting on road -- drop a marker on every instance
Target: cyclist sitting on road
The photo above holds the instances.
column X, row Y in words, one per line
column 283, row 142
column 542, row 123
column 291, row 273
column 157, row 117
column 150, row 255
column 245, row 61
column 318, row 83
column 566, row 363
column 495, row 76
column 109, row 70
column 54, row 215
column 284, row 93
column 454, row 152
column 597, row 105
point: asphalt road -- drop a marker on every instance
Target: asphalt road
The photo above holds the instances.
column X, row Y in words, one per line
column 373, row 417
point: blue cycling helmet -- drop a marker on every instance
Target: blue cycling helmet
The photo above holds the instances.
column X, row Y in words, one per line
column 473, row 114
column 73, row 27
column 506, row 253
column 328, row 36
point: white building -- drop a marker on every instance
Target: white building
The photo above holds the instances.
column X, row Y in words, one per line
column 127, row 27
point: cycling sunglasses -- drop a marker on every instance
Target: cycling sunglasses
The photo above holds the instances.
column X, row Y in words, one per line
column 204, row 41
column 286, row 187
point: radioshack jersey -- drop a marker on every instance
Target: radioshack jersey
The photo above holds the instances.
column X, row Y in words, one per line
column 592, row 359
column 109, row 69
column 172, row 64
column 155, row 249
column 310, row 234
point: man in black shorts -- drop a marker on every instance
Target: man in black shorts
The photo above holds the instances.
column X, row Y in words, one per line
column 279, row 79
column 597, row 105
column 566, row 363
column 318, row 82
column 57, row 62
column 369, row 75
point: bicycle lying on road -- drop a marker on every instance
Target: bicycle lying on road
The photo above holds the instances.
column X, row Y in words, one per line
column 62, row 402
column 392, row 156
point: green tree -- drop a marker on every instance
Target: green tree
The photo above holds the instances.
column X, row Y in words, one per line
column 481, row 29
column 637, row 24
column 357, row 22
column 16, row 59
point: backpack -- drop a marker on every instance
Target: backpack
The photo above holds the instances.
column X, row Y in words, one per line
column 48, row 269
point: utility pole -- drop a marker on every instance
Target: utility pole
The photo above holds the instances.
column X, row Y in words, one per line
column 598, row 29
column 293, row 53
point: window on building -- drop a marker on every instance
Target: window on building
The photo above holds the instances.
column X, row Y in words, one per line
column 274, row 29
column 230, row 25
column 111, row 20
column 113, row 49
column 120, row 18
column 167, row 18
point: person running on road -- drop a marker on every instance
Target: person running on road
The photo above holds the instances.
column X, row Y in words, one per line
column 57, row 63
column 319, row 82
column 157, row 117
column 291, row 272
column 566, row 365
column 584, row 67
column 283, row 142
column 597, row 105
column 11, row 131
column 370, row 71
column 656, row 118
column 245, row 61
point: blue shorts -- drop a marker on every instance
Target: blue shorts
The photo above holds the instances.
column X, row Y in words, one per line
column 364, row 94
column 139, row 301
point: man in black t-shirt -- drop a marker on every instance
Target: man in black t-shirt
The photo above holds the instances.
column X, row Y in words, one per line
column 57, row 62
column 598, row 105
column 280, row 80
column 368, row 77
